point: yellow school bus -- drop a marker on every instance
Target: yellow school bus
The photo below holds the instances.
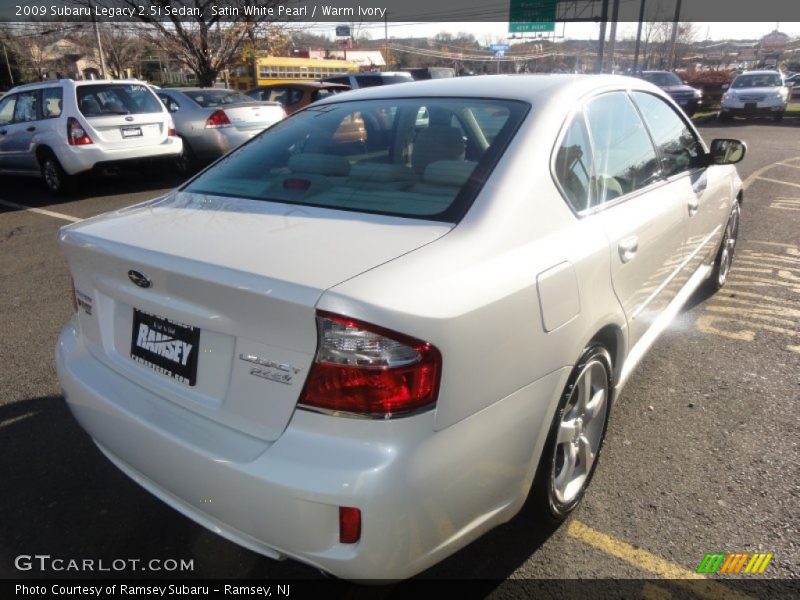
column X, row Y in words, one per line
column 282, row 69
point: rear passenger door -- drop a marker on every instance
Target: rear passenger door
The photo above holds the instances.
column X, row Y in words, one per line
column 643, row 220
column 18, row 142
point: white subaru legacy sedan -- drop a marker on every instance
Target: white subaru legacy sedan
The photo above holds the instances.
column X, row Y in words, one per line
column 369, row 335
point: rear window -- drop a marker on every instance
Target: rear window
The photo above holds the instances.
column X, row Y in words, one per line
column 415, row 157
column 213, row 98
column 116, row 99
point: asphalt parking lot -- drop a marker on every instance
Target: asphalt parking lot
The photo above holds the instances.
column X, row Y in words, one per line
column 701, row 456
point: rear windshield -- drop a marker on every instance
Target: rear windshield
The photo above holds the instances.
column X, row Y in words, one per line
column 413, row 157
column 116, row 99
column 757, row 80
column 212, row 98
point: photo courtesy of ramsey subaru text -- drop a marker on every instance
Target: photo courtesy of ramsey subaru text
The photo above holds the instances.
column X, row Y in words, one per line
column 59, row 129
column 364, row 352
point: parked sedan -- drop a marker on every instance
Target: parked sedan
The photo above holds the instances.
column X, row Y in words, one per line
column 392, row 345
column 687, row 97
column 755, row 93
column 294, row 96
column 213, row 121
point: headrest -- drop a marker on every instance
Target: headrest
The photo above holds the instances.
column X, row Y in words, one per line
column 381, row 172
column 321, row 164
column 448, row 172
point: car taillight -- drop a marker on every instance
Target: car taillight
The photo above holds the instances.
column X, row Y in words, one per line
column 349, row 525
column 217, row 119
column 76, row 134
column 171, row 129
column 367, row 370
column 74, row 295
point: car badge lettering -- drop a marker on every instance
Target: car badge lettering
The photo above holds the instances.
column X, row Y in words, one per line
column 139, row 278
column 268, row 369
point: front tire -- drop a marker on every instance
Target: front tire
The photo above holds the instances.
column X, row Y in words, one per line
column 724, row 259
column 55, row 178
column 576, row 437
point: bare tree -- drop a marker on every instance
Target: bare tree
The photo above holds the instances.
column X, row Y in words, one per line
column 203, row 42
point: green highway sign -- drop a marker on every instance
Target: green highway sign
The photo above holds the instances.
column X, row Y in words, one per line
column 526, row 16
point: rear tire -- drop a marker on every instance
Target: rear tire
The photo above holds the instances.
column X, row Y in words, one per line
column 55, row 178
column 573, row 446
column 186, row 161
column 724, row 116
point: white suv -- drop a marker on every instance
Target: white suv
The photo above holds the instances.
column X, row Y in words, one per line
column 61, row 128
column 756, row 93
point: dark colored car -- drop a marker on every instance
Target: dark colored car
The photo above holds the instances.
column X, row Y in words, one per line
column 296, row 95
column 687, row 97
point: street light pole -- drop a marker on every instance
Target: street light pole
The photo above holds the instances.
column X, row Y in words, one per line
column 99, row 43
column 638, row 37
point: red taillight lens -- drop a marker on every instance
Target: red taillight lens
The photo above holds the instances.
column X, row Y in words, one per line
column 349, row 525
column 364, row 369
column 217, row 119
column 171, row 132
column 76, row 134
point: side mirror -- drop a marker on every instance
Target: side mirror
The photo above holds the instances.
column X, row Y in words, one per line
column 727, row 151
column 725, row 86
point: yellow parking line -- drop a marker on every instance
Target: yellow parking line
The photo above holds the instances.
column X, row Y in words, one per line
column 771, row 180
column 699, row 585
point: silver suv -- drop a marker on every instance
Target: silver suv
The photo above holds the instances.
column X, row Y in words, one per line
column 62, row 128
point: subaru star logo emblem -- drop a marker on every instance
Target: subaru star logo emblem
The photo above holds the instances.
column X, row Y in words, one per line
column 140, row 279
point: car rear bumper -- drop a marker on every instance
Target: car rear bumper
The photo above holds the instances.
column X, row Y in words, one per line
column 218, row 142
column 79, row 159
column 422, row 494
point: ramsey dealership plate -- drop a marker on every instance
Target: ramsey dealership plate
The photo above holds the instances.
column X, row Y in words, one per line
column 166, row 346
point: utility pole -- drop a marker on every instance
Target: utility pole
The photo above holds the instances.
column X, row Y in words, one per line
column 99, row 43
column 598, row 65
column 386, row 38
column 638, row 37
column 671, row 55
column 612, row 38
column 8, row 65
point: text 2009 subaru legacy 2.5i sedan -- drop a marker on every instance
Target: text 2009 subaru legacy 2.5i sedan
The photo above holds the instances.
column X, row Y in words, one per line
column 363, row 352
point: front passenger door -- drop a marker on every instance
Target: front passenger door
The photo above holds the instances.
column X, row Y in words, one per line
column 643, row 221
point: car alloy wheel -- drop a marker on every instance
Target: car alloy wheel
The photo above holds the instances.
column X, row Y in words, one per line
column 580, row 432
column 54, row 176
column 725, row 260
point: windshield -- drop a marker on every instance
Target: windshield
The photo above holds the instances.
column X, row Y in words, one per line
column 755, row 81
column 213, row 98
column 663, row 79
column 419, row 157
column 116, row 99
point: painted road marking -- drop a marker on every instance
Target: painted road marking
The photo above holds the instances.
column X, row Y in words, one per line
column 786, row 202
column 698, row 584
column 757, row 173
column 771, row 180
column 40, row 211
column 751, row 303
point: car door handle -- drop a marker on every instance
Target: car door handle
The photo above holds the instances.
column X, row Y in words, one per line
column 31, row 128
column 694, row 206
column 628, row 248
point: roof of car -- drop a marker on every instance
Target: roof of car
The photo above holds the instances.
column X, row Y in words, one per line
column 304, row 84
column 543, row 89
column 762, row 72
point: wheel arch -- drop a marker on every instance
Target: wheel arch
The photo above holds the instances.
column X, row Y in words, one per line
column 612, row 338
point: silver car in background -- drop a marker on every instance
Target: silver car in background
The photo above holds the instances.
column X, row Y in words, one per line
column 212, row 122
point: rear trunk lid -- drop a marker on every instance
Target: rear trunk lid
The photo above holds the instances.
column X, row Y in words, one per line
column 254, row 115
column 226, row 327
